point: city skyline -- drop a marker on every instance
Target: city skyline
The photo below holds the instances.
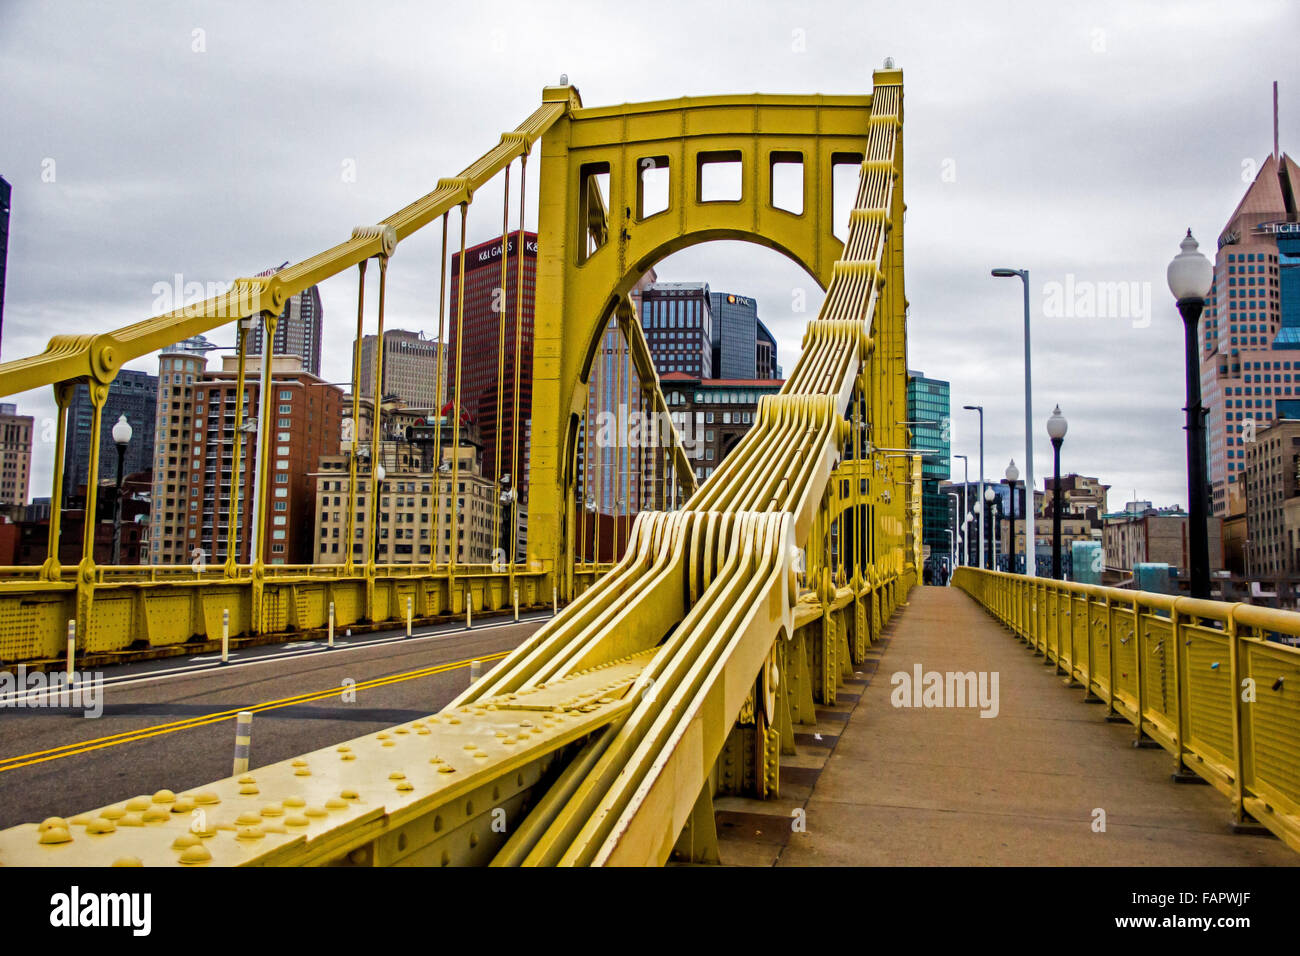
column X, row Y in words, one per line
column 1118, row 222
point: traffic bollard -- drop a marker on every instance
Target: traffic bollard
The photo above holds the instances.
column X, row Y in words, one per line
column 225, row 635
column 243, row 740
column 330, row 638
column 72, row 647
column 408, row 616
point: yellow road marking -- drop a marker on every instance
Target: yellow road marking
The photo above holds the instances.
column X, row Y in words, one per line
column 100, row 743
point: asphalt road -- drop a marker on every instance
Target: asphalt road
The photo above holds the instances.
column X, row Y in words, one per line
column 171, row 723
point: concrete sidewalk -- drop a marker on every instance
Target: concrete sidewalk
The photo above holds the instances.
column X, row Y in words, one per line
column 944, row 786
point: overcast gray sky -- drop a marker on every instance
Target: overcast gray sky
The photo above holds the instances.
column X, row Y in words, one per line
column 1076, row 140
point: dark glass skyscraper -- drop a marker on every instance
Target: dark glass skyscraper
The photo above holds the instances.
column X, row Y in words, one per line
column 928, row 410
column 735, row 335
column 5, row 192
column 133, row 394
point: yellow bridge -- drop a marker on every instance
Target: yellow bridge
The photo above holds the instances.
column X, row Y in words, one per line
column 733, row 609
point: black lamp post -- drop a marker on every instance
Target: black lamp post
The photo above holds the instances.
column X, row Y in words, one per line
column 1012, row 474
column 122, row 438
column 1191, row 277
column 1056, row 427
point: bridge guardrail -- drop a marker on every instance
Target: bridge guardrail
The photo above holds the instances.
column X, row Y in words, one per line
column 1201, row 678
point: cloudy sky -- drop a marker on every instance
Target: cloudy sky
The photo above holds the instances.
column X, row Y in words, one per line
column 1079, row 141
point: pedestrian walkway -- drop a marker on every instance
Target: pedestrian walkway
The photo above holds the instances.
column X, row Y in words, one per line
column 1031, row 786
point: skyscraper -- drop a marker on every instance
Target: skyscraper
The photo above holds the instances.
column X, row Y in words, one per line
column 411, row 364
column 480, row 352
column 298, row 332
column 179, row 367
column 5, row 192
column 133, row 394
column 15, row 457
column 735, row 335
column 678, row 322
column 765, row 365
column 928, row 410
column 1250, row 330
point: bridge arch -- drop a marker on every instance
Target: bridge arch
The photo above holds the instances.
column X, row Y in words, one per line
column 596, row 236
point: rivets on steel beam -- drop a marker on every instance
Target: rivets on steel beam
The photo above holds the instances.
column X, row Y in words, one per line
column 127, row 861
column 296, row 821
column 131, row 820
column 54, row 835
column 381, row 736
column 112, row 813
column 156, row 815
column 273, row 810
column 195, row 854
column 334, row 803
column 350, row 795
column 401, row 730
column 249, row 818
column 250, row 833
column 185, row 840
column 294, row 802
column 100, row 825
column 316, row 812
column 247, row 778
column 397, row 775
column 183, row 805
column 248, row 789
column 405, row 785
column 139, row 803
column 206, row 798
column 164, row 796
column 446, row 768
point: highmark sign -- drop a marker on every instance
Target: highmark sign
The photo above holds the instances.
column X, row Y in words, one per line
column 1279, row 228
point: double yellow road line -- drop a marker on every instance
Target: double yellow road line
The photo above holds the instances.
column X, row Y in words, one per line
column 114, row 740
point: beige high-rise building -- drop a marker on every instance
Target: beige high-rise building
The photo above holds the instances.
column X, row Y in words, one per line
column 411, row 516
column 179, row 368
column 411, row 366
column 15, row 456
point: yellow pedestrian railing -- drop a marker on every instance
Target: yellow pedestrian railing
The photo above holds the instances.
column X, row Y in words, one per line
column 1201, row 678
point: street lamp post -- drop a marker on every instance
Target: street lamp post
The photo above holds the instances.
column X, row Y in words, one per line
column 122, row 438
column 1056, row 428
column 1191, row 277
column 1029, row 413
column 980, row 409
column 1012, row 474
column 376, row 489
column 989, row 497
column 965, row 465
column 956, row 512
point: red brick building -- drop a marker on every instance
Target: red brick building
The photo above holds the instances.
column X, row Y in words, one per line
column 482, row 346
column 306, row 417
